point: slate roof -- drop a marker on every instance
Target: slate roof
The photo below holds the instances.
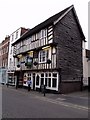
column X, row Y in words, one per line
column 44, row 24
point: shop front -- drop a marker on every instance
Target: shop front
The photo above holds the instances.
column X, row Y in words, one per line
column 49, row 79
column 29, row 76
column 11, row 78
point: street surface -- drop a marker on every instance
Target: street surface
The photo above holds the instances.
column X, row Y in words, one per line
column 19, row 103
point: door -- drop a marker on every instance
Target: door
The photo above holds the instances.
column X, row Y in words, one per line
column 33, row 81
column 37, row 81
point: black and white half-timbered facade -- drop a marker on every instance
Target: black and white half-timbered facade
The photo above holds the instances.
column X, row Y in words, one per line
column 51, row 53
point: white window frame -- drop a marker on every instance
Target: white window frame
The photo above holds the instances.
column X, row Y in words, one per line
column 43, row 33
column 41, row 55
column 51, row 77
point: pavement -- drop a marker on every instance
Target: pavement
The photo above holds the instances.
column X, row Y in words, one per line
column 19, row 103
column 80, row 94
column 80, row 98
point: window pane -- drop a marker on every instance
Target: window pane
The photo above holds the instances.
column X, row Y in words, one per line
column 54, row 82
column 42, row 75
column 42, row 56
column 42, row 33
column 46, row 74
column 49, row 82
column 42, row 81
column 54, row 74
column 49, row 74
column 46, row 81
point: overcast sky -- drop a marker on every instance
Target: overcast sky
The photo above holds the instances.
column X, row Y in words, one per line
column 28, row 13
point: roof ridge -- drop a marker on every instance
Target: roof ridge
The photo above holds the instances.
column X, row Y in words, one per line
column 45, row 23
column 61, row 16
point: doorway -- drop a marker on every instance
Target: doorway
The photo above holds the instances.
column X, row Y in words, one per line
column 33, row 81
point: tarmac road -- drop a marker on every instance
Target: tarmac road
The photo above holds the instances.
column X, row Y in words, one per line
column 23, row 104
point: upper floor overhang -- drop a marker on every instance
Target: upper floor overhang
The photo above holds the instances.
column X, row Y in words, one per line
column 53, row 44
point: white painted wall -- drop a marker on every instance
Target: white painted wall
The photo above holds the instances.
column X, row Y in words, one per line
column 10, row 56
column 85, row 66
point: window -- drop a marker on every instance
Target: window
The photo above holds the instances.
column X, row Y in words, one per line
column 38, row 36
column 42, row 78
column 42, row 75
column 16, row 34
column 49, row 79
column 54, row 82
column 42, row 56
column 49, row 74
column 11, row 50
column 33, row 38
column 49, row 82
column 54, row 74
column 12, row 37
column 46, row 81
column 42, row 81
column 46, row 74
column 29, row 76
column 43, row 33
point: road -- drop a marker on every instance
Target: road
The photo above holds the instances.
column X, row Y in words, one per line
column 23, row 104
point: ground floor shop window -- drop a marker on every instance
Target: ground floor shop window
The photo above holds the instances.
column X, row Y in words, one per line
column 50, row 80
column 11, row 79
column 27, row 76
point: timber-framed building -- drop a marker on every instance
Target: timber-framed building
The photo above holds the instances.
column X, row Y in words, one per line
column 51, row 53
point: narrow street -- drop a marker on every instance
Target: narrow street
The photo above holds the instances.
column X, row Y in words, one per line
column 23, row 104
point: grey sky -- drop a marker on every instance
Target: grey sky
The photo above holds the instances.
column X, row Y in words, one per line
column 29, row 13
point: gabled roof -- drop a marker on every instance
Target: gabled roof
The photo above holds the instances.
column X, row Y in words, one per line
column 47, row 22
